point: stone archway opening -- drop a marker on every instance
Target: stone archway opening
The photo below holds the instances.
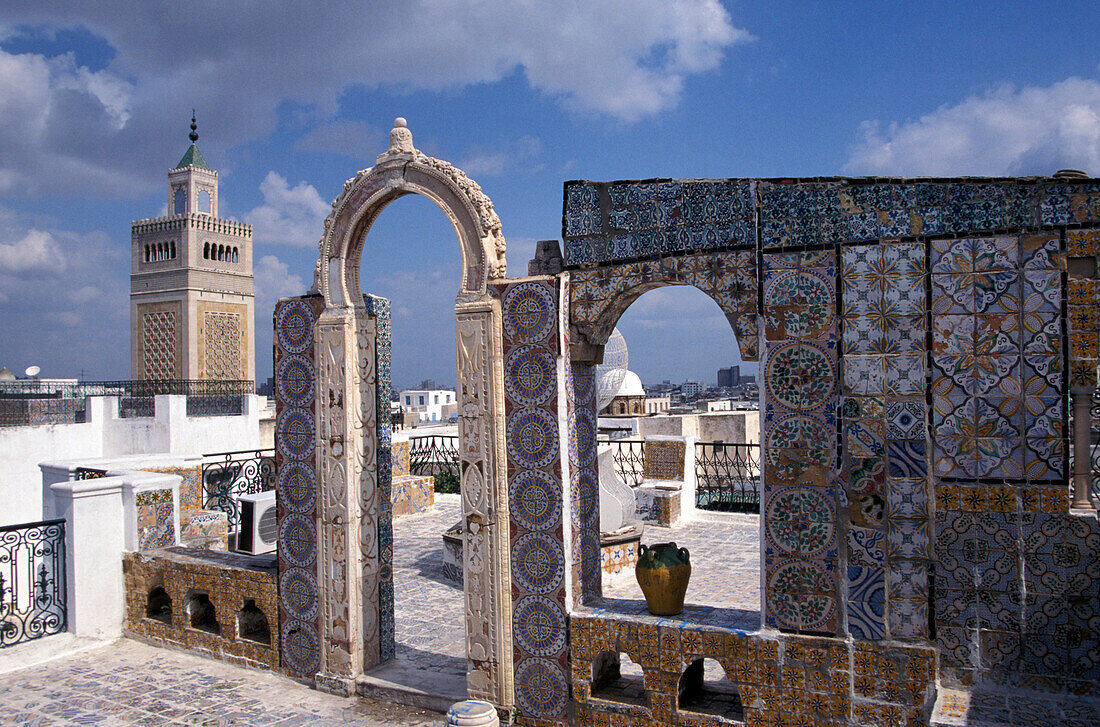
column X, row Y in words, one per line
column 693, row 470
column 411, row 261
column 342, row 615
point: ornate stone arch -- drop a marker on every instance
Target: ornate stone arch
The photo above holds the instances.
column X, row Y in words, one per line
column 403, row 170
column 355, row 610
column 599, row 296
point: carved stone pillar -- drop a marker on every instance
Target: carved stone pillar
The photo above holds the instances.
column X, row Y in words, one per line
column 347, row 552
column 484, row 501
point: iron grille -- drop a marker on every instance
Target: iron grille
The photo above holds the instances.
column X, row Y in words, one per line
column 433, row 454
column 629, row 459
column 244, row 472
column 727, row 476
column 28, row 402
column 32, row 581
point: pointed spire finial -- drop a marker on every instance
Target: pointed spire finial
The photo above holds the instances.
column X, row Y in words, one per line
column 194, row 135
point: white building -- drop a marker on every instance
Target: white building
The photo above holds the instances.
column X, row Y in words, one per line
column 691, row 388
column 432, row 405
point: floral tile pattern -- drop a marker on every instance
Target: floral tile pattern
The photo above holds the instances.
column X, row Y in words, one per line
column 799, row 434
column 883, row 341
column 996, row 356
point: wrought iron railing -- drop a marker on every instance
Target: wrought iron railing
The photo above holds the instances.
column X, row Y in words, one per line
column 727, row 476
column 30, row 402
column 32, row 581
column 629, row 458
column 433, row 454
column 232, row 474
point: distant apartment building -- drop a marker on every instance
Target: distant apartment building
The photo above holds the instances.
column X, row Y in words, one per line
column 691, row 388
column 431, row 405
column 729, row 378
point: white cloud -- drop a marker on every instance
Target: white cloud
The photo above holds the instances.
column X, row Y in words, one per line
column 1030, row 131
column 37, row 251
column 69, row 127
column 502, row 158
column 350, row 138
column 85, row 294
column 66, row 294
column 289, row 215
column 273, row 280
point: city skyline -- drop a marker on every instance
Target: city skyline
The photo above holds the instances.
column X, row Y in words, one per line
column 98, row 100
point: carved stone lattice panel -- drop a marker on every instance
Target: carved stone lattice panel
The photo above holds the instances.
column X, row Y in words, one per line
column 222, row 345
column 159, row 335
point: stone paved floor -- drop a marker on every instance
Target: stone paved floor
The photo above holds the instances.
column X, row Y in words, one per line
column 428, row 609
column 130, row 683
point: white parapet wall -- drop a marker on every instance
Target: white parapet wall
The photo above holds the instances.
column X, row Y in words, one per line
column 100, row 525
column 105, row 435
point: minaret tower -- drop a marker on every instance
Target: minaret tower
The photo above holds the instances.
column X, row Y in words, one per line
column 191, row 292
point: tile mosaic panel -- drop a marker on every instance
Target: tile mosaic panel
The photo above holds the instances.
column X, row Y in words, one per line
column 156, row 520
column 664, row 460
column 535, row 494
column 884, row 428
column 996, row 358
column 799, row 425
column 598, row 297
column 584, row 495
column 419, row 497
column 297, row 486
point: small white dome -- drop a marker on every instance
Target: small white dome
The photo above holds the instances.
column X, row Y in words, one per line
column 631, row 386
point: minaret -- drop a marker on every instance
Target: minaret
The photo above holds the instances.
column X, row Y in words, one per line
column 191, row 291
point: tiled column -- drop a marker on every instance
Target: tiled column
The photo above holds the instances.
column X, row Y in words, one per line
column 799, row 442
column 535, row 498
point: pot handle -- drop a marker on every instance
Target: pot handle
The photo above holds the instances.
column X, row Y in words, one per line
column 684, row 555
column 644, row 550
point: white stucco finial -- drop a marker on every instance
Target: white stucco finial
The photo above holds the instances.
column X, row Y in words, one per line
column 401, row 139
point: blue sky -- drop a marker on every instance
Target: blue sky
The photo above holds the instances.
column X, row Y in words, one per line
column 95, row 103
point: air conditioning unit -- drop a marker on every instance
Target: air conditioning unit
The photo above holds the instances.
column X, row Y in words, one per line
column 258, row 533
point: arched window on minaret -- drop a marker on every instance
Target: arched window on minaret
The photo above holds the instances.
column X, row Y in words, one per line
column 179, row 202
column 146, row 253
column 172, row 250
column 234, row 254
column 204, row 201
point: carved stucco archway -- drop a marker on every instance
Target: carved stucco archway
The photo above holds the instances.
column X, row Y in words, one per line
column 355, row 535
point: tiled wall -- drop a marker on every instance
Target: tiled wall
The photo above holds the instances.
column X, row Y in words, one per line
column 538, row 547
column 229, row 581
column 812, row 680
column 800, row 498
column 884, row 435
column 915, row 403
column 296, row 483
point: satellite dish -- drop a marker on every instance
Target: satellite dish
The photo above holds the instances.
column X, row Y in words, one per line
column 33, row 370
column 610, row 374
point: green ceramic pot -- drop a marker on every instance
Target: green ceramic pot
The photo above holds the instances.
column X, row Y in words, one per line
column 663, row 572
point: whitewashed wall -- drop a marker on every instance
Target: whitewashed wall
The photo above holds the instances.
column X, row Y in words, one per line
column 170, row 431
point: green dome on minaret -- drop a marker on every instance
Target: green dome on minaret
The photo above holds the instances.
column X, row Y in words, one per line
column 193, row 157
